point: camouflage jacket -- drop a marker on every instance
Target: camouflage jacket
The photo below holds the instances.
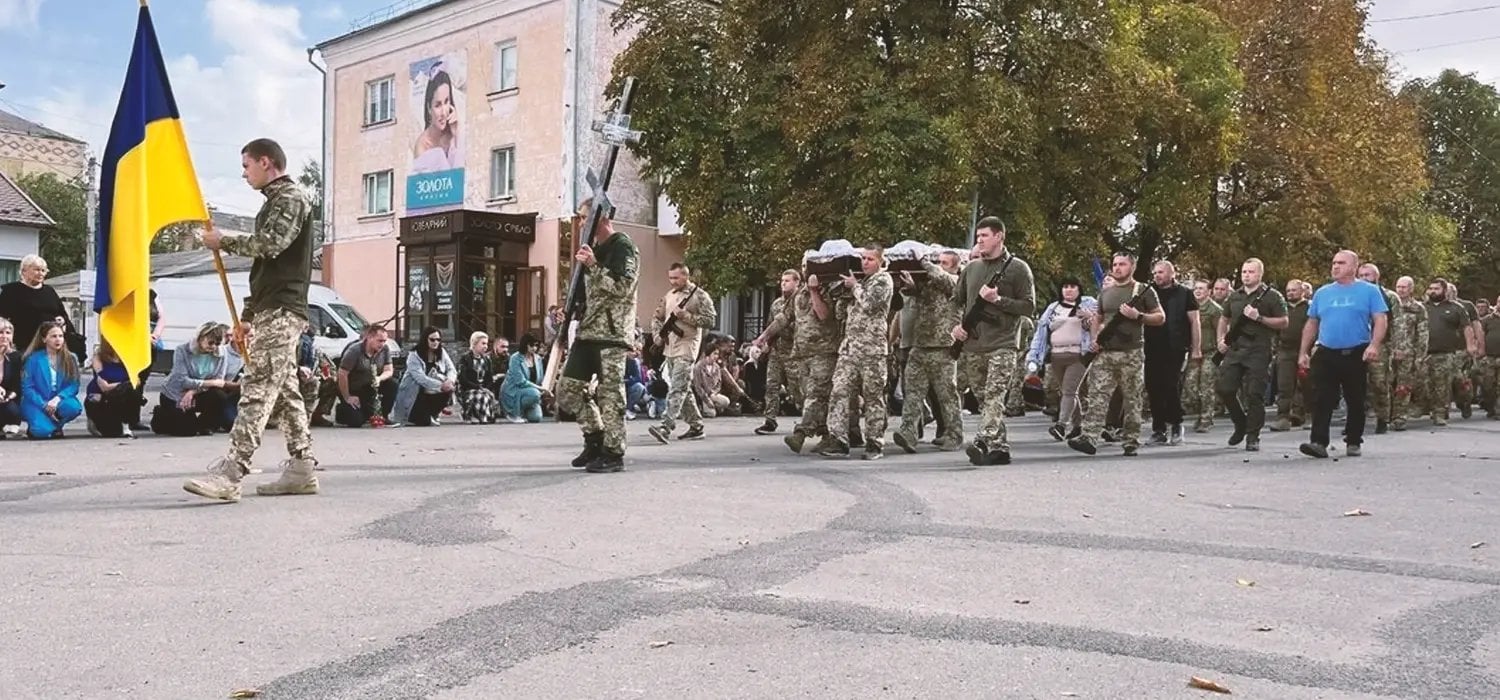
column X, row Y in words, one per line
column 866, row 314
column 1408, row 329
column 609, row 293
column 1209, row 312
column 935, row 313
column 811, row 336
column 779, row 332
column 282, row 246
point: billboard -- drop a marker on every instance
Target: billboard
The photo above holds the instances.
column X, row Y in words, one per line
column 435, row 179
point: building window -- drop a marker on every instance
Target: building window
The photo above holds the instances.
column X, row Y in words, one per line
column 503, row 173
column 10, row 271
column 505, row 67
column 380, row 101
column 378, row 193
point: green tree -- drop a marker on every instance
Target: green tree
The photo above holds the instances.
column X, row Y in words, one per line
column 62, row 245
column 1460, row 118
column 311, row 179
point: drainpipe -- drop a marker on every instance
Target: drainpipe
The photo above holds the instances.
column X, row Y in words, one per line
column 323, row 156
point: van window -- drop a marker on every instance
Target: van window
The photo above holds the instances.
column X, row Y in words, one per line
column 350, row 316
column 320, row 319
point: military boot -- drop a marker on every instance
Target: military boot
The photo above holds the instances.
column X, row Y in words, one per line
column 297, row 479
column 593, row 446
column 1281, row 425
column 606, row 463
column 903, row 442
column 833, row 447
column 767, row 428
column 222, row 482
column 795, row 441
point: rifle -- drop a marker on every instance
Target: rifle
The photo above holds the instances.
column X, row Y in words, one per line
column 658, row 350
column 1109, row 327
column 972, row 314
column 1237, row 327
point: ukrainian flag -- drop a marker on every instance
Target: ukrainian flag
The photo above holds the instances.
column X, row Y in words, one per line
column 147, row 182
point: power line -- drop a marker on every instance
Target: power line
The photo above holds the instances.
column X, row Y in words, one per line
column 1435, row 14
column 1444, row 46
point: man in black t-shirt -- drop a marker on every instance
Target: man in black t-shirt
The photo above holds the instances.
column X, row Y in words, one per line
column 1167, row 347
column 365, row 366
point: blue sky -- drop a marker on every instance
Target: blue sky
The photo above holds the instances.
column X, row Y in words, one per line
column 239, row 67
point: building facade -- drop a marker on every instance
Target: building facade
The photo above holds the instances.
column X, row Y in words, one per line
column 21, row 224
column 457, row 139
column 30, row 148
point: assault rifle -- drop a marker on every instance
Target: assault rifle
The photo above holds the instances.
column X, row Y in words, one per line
column 658, row 350
column 972, row 315
column 1109, row 326
column 1237, row 327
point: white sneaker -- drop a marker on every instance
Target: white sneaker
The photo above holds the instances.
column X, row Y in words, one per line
column 126, row 432
column 630, row 415
column 436, row 422
column 12, row 430
column 516, row 419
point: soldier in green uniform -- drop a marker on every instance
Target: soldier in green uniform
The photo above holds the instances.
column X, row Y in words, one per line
column 930, row 371
column 275, row 313
column 992, row 344
column 861, row 367
column 1247, row 358
column 1198, row 386
column 1015, row 400
column 1489, row 365
column 1408, row 348
column 1293, row 398
column 1448, row 332
column 816, row 334
column 1468, row 381
column 611, row 274
column 1130, row 306
column 1381, row 389
column 781, row 367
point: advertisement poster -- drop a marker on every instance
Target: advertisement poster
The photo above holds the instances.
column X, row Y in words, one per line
column 443, row 292
column 435, row 179
column 416, row 289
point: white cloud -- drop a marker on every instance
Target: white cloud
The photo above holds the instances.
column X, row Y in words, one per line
column 331, row 12
column 19, row 14
column 263, row 87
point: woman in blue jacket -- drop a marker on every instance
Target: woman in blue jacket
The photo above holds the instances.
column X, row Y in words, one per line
column 49, row 383
column 521, row 393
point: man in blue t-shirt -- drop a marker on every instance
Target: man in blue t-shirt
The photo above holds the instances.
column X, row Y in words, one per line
column 1348, row 319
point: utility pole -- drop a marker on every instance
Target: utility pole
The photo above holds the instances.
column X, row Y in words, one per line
column 86, row 289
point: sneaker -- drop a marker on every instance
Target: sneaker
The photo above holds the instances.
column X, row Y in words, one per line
column 945, row 446
column 126, row 432
column 661, row 433
column 767, row 427
column 1313, row 449
column 1131, row 449
column 435, row 422
column 606, row 463
column 1352, row 450
column 795, row 441
column 1083, row 444
column 1466, row 412
column 297, row 479
column 630, row 415
column 694, row 432
column 222, row 482
column 1398, row 426
column 1202, row 426
column 902, row 442
column 873, row 453
column 978, row 452
column 1112, row 434
column 1158, row 438
column 1252, row 444
column 1174, row 435
column 998, row 456
column 11, row 431
column 1058, row 432
column 834, row 447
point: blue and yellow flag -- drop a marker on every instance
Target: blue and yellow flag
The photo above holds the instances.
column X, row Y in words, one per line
column 147, row 182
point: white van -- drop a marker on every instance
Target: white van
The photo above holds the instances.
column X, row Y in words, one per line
column 188, row 302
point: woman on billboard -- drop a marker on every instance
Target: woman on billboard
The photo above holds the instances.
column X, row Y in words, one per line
column 437, row 148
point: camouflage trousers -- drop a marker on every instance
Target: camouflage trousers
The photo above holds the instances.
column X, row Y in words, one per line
column 271, row 390
column 1407, row 378
column 973, row 371
column 601, row 410
column 1380, row 392
column 861, row 376
column 781, row 374
column 1015, row 400
column 1293, row 388
column 1198, row 396
column 1443, row 371
column 989, row 387
column 931, row 370
column 678, row 372
column 1488, row 369
column 1111, row 370
column 817, row 385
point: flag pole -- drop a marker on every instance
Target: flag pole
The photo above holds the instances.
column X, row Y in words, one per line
column 234, row 313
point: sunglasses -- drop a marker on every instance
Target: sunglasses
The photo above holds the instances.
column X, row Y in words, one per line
column 434, row 340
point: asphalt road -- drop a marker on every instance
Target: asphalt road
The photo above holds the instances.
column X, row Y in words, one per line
column 464, row 562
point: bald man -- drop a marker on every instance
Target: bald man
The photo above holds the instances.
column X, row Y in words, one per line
column 1247, row 331
column 1347, row 319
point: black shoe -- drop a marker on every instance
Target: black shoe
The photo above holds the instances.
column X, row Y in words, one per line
column 693, row 433
column 900, row 439
column 1158, row 438
column 1083, row 444
column 1466, row 412
column 1238, row 436
column 1058, row 432
column 999, row 455
column 978, row 452
column 1075, row 432
column 606, row 463
column 593, row 446
column 1174, row 435
column 873, row 453
column 1252, row 444
column 1131, row 449
column 1313, row 449
column 1111, row 434
column 834, row 447
column 766, row 428
column 1380, row 427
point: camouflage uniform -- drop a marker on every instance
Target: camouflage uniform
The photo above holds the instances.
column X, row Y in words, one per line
column 1198, row 387
column 992, row 348
column 1380, row 390
column 861, row 367
column 1408, row 331
column 276, row 311
column 929, row 368
column 781, row 368
column 598, row 350
column 1015, row 400
column 1293, row 386
column 815, row 344
column 1489, row 365
column 1120, row 363
column 1446, row 354
column 682, row 351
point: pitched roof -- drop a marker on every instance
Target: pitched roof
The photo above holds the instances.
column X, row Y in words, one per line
column 17, row 208
column 14, row 124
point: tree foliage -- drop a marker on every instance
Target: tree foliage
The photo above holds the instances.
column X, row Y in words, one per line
column 1205, row 132
column 64, row 245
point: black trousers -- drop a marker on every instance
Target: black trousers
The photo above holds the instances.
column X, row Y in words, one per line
column 427, row 407
column 1244, row 374
column 204, row 418
column 351, row 417
column 114, row 410
column 1164, row 386
column 1337, row 373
